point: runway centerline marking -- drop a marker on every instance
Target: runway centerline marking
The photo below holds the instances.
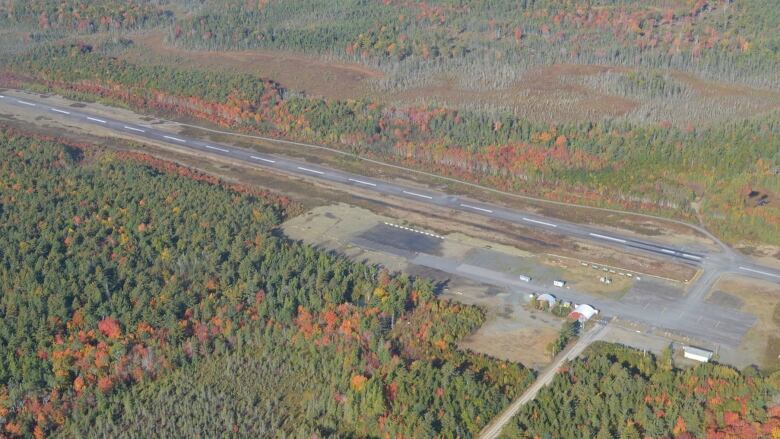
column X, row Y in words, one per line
column 608, row 238
column 310, row 170
column 134, row 129
column 216, row 149
column 759, row 272
column 175, row 139
column 476, row 208
column 262, row 159
column 667, row 251
column 59, row 111
column 25, row 103
column 94, row 119
column 686, row 255
column 361, row 182
column 539, row 222
column 415, row 194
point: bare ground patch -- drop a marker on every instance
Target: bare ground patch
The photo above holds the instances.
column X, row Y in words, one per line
column 542, row 95
column 523, row 338
column 761, row 345
column 330, row 79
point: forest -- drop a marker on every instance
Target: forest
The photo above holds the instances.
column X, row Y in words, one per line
column 83, row 16
column 646, row 167
column 125, row 277
column 716, row 38
column 614, row 391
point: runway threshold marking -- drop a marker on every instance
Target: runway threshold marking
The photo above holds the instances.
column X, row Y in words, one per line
column 94, row 119
column 539, row 222
column 361, row 182
column 176, row 139
column 608, row 238
column 262, row 159
column 476, row 208
column 56, row 110
column 759, row 272
column 415, row 194
column 310, row 170
column 134, row 129
column 433, row 235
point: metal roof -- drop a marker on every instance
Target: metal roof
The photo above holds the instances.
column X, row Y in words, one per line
column 697, row 351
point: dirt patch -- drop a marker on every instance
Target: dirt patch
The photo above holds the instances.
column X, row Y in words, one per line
column 761, row 345
column 317, row 77
column 543, row 95
column 521, row 337
column 725, row 299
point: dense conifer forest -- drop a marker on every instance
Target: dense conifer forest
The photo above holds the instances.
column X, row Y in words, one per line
column 120, row 272
column 614, row 391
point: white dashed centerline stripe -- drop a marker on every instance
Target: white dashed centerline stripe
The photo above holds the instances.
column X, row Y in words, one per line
column 310, row 170
column 686, row 255
column 418, row 195
column 134, row 129
column 609, row 238
column 96, row 119
column 667, row 251
column 476, row 208
column 2, row 97
column 25, row 103
column 216, row 149
column 175, row 139
column 262, row 159
column 539, row 222
column 59, row 111
column 362, row 182
column 759, row 272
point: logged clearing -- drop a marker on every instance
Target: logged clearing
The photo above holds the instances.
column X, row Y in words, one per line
column 316, row 77
column 544, row 94
column 762, row 299
column 548, row 94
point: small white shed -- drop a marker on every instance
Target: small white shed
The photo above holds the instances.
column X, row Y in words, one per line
column 697, row 354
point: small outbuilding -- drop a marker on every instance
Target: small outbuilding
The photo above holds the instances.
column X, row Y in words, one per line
column 583, row 312
column 549, row 298
column 698, row 354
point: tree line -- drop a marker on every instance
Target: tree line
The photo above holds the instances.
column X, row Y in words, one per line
column 615, row 391
column 125, row 277
column 654, row 167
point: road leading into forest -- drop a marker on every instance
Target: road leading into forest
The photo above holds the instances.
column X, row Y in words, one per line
column 493, row 429
column 718, row 262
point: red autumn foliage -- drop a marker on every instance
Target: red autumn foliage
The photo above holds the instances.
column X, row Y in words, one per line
column 110, row 328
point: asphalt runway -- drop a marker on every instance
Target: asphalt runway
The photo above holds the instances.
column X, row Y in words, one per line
column 689, row 315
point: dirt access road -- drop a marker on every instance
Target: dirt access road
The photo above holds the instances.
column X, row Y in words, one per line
column 493, row 429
